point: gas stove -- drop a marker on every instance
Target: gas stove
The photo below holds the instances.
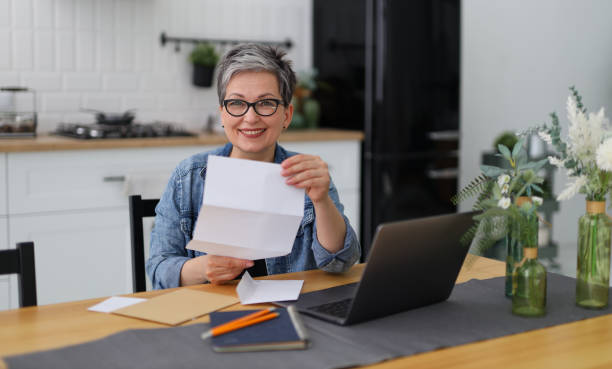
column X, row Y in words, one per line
column 131, row 130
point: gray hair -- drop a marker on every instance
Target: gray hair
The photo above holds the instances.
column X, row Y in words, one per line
column 255, row 57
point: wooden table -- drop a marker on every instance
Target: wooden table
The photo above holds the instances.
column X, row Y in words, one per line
column 583, row 344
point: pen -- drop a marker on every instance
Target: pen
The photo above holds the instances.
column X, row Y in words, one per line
column 245, row 321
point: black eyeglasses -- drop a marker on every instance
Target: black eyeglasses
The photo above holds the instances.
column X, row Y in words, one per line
column 238, row 108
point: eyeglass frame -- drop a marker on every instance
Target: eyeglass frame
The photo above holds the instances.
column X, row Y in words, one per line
column 253, row 104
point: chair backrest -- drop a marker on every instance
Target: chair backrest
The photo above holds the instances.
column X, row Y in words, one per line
column 139, row 209
column 20, row 261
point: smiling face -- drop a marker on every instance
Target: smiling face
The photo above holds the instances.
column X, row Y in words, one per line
column 252, row 135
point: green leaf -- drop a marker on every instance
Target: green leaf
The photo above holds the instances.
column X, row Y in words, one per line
column 540, row 164
column 491, row 171
column 517, row 147
column 504, row 151
column 537, row 188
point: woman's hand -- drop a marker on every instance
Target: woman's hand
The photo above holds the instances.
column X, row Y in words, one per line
column 220, row 269
column 213, row 268
column 309, row 172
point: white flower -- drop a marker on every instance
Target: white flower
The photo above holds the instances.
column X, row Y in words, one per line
column 585, row 132
column 504, row 202
column 604, row 155
column 545, row 137
column 503, row 179
column 553, row 160
column 505, row 188
column 572, row 188
column 537, row 200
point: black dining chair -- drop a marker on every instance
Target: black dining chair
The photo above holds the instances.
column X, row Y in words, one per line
column 20, row 261
column 139, row 209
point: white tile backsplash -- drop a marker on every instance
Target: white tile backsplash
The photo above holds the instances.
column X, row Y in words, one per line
column 42, row 81
column 106, row 54
column 121, row 82
column 22, row 14
column 85, row 51
column 61, row 102
column 85, row 19
column 5, row 50
column 43, row 14
column 8, row 78
column 64, row 14
column 23, row 49
column 5, row 13
column 82, row 81
column 65, row 50
column 44, row 50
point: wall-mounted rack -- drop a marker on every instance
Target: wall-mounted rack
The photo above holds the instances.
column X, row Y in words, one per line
column 163, row 38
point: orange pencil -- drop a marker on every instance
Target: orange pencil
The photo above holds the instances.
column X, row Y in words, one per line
column 245, row 321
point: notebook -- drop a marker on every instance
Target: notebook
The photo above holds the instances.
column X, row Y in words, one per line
column 412, row 263
column 283, row 333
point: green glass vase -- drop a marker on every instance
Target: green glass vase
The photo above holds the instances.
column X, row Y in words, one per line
column 593, row 269
column 514, row 247
column 514, row 254
column 529, row 295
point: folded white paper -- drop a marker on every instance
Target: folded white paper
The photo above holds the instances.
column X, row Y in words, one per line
column 251, row 291
column 113, row 303
column 248, row 211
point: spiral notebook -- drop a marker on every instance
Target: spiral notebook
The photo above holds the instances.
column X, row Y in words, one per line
column 283, row 333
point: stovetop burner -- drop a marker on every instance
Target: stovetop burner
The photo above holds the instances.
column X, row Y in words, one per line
column 133, row 130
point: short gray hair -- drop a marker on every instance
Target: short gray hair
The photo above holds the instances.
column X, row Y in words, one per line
column 255, row 57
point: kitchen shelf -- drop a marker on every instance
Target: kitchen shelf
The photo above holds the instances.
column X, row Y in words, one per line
column 163, row 39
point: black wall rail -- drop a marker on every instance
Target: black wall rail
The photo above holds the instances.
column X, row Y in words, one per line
column 163, row 39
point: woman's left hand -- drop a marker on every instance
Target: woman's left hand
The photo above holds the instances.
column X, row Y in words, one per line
column 309, row 172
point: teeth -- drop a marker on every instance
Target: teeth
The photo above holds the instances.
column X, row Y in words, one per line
column 251, row 132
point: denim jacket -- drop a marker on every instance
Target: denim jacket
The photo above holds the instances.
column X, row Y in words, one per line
column 178, row 209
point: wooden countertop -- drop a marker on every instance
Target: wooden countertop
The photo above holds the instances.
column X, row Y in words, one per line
column 55, row 143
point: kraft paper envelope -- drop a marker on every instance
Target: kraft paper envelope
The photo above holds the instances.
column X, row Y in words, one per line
column 177, row 307
column 248, row 211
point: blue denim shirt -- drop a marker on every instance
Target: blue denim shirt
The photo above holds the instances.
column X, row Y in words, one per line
column 178, row 210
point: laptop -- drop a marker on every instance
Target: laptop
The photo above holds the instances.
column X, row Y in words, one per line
column 412, row 263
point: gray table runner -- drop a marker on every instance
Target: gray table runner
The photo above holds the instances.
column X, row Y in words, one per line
column 477, row 310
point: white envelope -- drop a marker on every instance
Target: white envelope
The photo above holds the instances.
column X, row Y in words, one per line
column 248, row 211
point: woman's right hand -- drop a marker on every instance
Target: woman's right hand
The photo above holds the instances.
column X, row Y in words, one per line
column 220, row 269
column 213, row 268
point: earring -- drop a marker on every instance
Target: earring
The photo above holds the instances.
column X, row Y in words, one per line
column 222, row 126
column 284, row 127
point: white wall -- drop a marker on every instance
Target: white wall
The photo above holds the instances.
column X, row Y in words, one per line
column 106, row 54
column 518, row 59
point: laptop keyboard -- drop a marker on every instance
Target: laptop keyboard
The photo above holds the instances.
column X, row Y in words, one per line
column 336, row 308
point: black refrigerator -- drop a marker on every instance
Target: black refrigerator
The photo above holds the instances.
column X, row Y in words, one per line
column 391, row 69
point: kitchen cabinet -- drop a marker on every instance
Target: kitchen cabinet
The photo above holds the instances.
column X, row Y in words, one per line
column 78, row 255
column 73, row 205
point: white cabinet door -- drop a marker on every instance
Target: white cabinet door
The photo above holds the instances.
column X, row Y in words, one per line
column 88, row 179
column 78, row 255
column 3, row 184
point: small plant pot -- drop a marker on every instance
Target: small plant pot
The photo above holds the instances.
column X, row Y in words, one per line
column 203, row 75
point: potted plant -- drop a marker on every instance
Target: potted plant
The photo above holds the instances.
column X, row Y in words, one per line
column 306, row 108
column 204, row 58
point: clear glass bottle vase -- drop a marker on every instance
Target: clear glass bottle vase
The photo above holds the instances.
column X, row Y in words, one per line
column 514, row 247
column 514, row 253
column 593, row 267
column 529, row 294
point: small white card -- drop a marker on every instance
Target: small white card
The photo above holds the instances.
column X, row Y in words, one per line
column 113, row 303
column 251, row 291
column 248, row 211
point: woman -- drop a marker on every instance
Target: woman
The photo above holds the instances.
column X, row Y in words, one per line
column 254, row 84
